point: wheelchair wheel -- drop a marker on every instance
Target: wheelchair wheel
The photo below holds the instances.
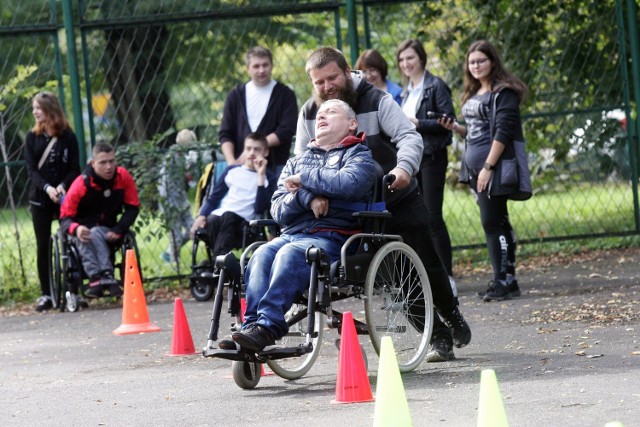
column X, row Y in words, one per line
column 246, row 374
column 55, row 272
column 295, row 367
column 201, row 281
column 398, row 303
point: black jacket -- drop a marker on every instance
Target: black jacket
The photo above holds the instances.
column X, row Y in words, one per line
column 436, row 97
column 281, row 117
column 63, row 169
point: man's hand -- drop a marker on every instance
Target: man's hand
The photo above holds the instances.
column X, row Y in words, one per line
column 83, row 233
column 112, row 236
column 402, row 179
column 292, row 183
column 199, row 222
column 320, row 206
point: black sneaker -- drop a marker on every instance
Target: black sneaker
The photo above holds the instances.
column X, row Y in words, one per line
column 513, row 287
column 227, row 343
column 95, row 289
column 254, row 338
column 497, row 292
column 459, row 327
column 44, row 303
column 441, row 351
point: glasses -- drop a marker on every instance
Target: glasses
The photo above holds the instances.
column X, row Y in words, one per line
column 478, row 62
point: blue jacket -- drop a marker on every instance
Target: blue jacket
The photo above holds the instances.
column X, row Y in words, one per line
column 346, row 173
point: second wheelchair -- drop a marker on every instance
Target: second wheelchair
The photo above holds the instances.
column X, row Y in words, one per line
column 67, row 278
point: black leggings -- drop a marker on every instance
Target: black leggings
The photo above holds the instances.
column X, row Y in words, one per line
column 501, row 239
column 431, row 179
column 42, row 218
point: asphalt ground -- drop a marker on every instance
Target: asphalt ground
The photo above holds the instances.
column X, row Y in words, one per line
column 566, row 353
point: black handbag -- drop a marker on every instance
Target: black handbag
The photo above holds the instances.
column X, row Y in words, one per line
column 511, row 176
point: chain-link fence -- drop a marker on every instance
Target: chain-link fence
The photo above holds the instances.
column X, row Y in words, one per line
column 134, row 72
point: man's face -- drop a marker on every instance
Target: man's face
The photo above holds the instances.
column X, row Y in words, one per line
column 329, row 82
column 259, row 69
column 333, row 124
column 253, row 150
column 104, row 164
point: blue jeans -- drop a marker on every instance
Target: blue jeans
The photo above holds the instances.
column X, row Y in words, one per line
column 278, row 274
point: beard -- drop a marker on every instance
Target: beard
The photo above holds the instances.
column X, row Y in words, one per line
column 347, row 94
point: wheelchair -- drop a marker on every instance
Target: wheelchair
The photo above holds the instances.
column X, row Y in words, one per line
column 204, row 278
column 384, row 273
column 67, row 279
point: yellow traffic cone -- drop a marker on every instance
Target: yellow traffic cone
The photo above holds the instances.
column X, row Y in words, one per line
column 392, row 408
column 490, row 408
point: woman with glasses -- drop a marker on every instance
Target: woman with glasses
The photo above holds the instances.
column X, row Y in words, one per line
column 51, row 155
column 491, row 109
column 424, row 95
column 375, row 68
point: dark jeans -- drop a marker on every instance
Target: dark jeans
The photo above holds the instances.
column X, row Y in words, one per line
column 501, row 239
column 431, row 180
column 225, row 232
column 42, row 217
column 415, row 232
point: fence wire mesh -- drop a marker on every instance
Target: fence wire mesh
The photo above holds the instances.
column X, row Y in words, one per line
column 149, row 68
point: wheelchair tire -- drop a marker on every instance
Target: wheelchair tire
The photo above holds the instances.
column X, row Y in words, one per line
column 398, row 303
column 246, row 374
column 293, row 368
column 55, row 272
column 200, row 282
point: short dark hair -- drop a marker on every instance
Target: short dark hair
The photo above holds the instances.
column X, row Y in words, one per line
column 260, row 52
column 371, row 58
column 325, row 55
column 258, row 136
column 102, row 147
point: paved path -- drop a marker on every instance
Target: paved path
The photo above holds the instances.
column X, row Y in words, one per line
column 566, row 353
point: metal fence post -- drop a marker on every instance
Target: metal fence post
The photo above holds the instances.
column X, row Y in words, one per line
column 72, row 62
column 634, row 125
column 353, row 31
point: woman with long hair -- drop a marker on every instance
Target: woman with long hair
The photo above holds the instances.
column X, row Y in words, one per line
column 423, row 95
column 491, row 108
column 52, row 158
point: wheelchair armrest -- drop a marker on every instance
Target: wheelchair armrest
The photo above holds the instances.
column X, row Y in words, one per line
column 373, row 215
column 262, row 222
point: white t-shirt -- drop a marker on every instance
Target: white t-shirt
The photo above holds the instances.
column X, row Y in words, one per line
column 243, row 187
column 257, row 98
column 414, row 94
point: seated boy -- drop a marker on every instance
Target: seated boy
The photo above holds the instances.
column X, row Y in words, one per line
column 90, row 213
column 309, row 206
column 242, row 193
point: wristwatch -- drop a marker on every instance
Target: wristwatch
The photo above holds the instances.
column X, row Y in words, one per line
column 489, row 166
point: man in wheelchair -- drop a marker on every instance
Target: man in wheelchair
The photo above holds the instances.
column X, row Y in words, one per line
column 89, row 214
column 311, row 206
column 241, row 194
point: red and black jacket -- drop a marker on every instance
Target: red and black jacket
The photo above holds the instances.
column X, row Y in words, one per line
column 93, row 201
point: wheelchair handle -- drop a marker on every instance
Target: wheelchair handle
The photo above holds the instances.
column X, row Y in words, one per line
column 387, row 180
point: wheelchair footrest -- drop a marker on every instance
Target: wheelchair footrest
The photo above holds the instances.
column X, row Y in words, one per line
column 260, row 357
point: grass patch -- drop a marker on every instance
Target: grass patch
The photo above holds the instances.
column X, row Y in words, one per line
column 605, row 209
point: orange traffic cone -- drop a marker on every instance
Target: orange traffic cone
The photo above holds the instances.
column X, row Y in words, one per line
column 181, row 340
column 243, row 308
column 135, row 317
column 353, row 383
